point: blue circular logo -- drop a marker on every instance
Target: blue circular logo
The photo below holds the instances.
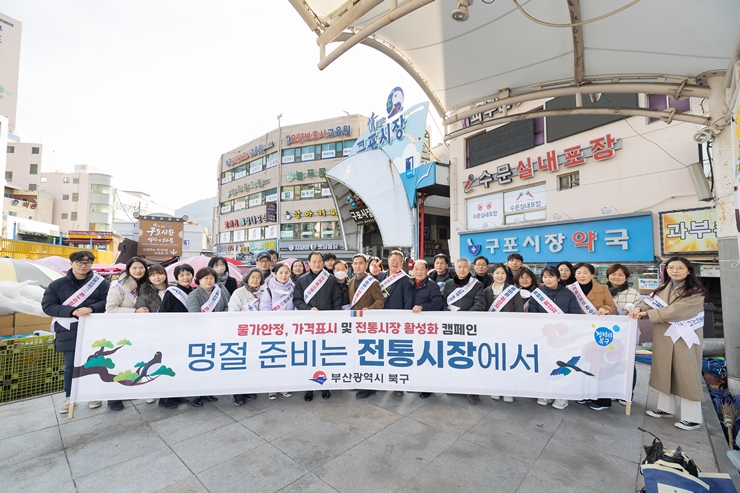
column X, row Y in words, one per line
column 394, row 104
column 603, row 336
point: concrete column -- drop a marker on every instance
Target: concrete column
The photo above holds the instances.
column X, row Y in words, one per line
column 724, row 188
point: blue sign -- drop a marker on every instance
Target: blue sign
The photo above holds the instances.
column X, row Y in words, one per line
column 623, row 238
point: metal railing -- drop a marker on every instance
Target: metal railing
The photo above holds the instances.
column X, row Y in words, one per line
column 33, row 251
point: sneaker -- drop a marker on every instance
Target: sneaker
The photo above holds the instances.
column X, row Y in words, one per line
column 272, row 396
column 544, row 402
column 149, row 400
column 583, row 401
column 623, row 402
column 287, row 394
column 238, row 399
column 424, row 395
column 167, row 403
column 560, row 404
column 508, row 399
column 657, row 413
column 95, row 404
column 687, row 425
column 473, row 399
column 115, row 405
column 64, row 408
column 364, row 394
column 597, row 407
column 495, row 397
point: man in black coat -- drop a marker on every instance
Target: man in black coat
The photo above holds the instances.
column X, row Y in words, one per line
column 56, row 303
column 442, row 271
column 398, row 296
column 328, row 297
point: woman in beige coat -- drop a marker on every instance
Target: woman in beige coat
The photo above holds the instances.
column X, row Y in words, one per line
column 676, row 368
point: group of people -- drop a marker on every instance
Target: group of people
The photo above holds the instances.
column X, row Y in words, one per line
column 511, row 287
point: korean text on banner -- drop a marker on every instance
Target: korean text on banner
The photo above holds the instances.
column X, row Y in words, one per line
column 134, row 356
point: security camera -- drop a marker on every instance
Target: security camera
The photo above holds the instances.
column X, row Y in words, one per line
column 708, row 133
column 460, row 14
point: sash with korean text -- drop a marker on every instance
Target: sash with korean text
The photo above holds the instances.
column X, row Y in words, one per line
column 314, row 287
column 459, row 293
column 585, row 304
column 212, row 301
column 285, row 296
column 131, row 295
column 77, row 297
column 684, row 329
column 545, row 302
column 502, row 299
column 362, row 289
column 390, row 280
column 179, row 294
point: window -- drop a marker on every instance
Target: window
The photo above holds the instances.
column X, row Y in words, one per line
column 75, row 181
column 11, row 149
column 75, row 197
column 661, row 102
column 65, row 180
column 566, row 182
column 98, row 188
column 35, row 150
column 32, row 186
column 8, row 176
column 65, row 196
column 256, row 199
column 99, row 226
column 239, row 172
column 310, row 230
column 288, row 193
column 65, row 215
column 289, row 231
column 308, row 192
column 101, row 208
column 34, row 170
column 11, row 213
column 289, row 157
column 539, row 131
column 73, row 217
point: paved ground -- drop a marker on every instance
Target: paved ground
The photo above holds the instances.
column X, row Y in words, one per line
column 383, row 444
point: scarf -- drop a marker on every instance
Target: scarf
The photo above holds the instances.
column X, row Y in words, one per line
column 615, row 290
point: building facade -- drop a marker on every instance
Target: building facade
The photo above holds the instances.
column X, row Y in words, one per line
column 10, row 60
column 23, row 165
column 273, row 193
column 594, row 189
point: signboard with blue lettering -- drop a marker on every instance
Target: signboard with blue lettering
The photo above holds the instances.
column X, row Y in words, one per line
column 622, row 238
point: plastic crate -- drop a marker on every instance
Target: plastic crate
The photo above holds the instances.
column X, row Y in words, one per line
column 30, row 366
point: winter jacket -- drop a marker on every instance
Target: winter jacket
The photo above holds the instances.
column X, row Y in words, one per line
column 428, row 296
column 276, row 290
column 626, row 297
column 601, row 298
column 440, row 278
column 473, row 301
column 372, row 299
column 118, row 300
column 344, row 290
column 241, row 298
column 229, row 282
column 329, row 296
column 170, row 304
column 199, row 296
column 399, row 295
column 561, row 296
column 515, row 304
column 486, row 279
column 149, row 297
column 57, row 293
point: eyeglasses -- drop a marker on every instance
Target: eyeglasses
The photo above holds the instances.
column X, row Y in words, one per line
column 83, row 263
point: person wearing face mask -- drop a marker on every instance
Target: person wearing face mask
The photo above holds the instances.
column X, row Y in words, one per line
column 464, row 293
column 340, row 274
column 221, row 268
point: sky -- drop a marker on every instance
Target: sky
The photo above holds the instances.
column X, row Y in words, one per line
column 153, row 92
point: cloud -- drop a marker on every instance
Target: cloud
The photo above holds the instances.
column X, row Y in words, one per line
column 408, row 151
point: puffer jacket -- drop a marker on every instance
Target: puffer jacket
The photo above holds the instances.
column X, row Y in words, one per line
column 118, row 300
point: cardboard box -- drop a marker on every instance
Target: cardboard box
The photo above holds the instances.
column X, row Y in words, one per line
column 23, row 320
column 6, row 331
column 7, row 321
column 30, row 329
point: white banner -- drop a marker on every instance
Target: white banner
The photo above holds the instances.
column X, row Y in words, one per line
column 135, row 356
column 485, row 212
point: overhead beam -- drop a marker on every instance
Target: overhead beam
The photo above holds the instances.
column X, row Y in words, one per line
column 676, row 91
column 574, row 9
column 308, row 15
column 664, row 115
column 391, row 16
column 346, row 20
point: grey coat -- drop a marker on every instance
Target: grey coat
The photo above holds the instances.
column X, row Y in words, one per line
column 199, row 296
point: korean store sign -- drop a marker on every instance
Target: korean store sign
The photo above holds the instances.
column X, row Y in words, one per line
column 599, row 149
column 160, row 238
column 329, row 133
column 628, row 238
column 688, row 231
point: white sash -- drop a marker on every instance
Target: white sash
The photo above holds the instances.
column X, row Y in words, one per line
column 362, row 289
column 212, row 302
column 459, row 293
column 132, row 295
column 502, row 299
column 586, row 305
column 388, row 281
column 314, row 287
column 545, row 302
column 685, row 329
column 74, row 301
column 179, row 294
column 284, row 300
